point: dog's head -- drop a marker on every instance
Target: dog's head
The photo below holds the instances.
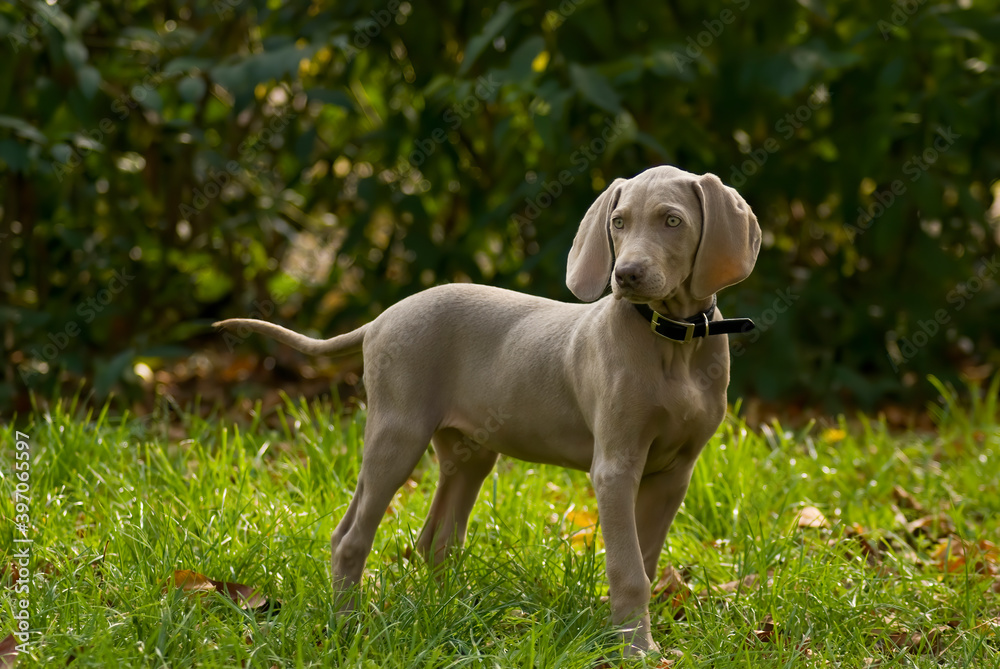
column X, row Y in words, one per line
column 662, row 231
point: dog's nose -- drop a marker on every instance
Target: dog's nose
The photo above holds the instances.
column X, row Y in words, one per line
column 628, row 274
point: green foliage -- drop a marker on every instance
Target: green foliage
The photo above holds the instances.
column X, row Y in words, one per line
column 331, row 158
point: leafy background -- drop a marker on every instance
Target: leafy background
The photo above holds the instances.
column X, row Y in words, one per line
column 317, row 162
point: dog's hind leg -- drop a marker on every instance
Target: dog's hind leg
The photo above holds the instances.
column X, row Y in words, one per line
column 391, row 451
column 464, row 465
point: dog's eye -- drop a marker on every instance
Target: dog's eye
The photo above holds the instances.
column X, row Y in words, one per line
column 618, row 222
column 673, row 221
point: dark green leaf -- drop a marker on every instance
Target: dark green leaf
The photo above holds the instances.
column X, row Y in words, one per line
column 595, row 88
column 89, row 80
column 504, row 13
column 111, row 372
column 191, row 89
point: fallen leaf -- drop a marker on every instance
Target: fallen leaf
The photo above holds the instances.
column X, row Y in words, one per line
column 245, row 596
column 746, row 582
column 933, row 526
column 581, row 518
column 868, row 548
column 810, row 516
column 8, row 652
column 585, row 523
column 667, row 662
column 871, row 545
column 834, row 434
column 672, row 588
column 239, row 368
column 930, row 642
column 582, row 537
column 192, row 581
column 906, row 500
column 897, row 516
column 955, row 555
column 765, row 631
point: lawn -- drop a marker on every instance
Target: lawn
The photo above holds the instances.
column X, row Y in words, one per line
column 826, row 545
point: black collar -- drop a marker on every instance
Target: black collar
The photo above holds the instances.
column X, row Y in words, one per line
column 699, row 325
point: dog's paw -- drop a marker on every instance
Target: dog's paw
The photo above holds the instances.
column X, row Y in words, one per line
column 639, row 642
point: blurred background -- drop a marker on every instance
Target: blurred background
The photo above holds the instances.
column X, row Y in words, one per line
column 164, row 164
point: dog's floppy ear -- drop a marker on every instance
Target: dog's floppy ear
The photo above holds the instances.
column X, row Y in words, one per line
column 730, row 238
column 589, row 266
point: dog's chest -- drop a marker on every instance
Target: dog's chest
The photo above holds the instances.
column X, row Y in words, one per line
column 682, row 422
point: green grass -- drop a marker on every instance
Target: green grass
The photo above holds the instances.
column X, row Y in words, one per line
column 117, row 507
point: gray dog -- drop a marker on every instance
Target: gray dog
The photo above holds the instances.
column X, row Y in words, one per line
column 617, row 388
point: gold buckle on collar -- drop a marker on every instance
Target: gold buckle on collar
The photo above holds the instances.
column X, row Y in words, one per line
column 688, row 327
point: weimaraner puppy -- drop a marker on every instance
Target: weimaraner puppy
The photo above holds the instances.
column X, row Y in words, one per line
column 617, row 388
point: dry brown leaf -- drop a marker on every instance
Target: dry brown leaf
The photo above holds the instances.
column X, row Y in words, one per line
column 8, row 652
column 671, row 582
column 667, row 662
column 765, row 631
column 871, row 547
column 243, row 595
column 672, row 588
column 897, row 516
column 192, row 581
column 746, row 582
column 810, row 516
column 954, row 555
column 931, row 642
column 870, row 550
column 906, row 500
column 934, row 526
column 239, row 368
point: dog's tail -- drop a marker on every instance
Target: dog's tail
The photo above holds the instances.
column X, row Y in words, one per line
column 339, row 345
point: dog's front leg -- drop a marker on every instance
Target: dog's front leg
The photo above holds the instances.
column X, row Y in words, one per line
column 660, row 496
column 615, row 475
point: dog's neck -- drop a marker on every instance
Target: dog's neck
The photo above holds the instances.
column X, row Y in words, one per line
column 681, row 306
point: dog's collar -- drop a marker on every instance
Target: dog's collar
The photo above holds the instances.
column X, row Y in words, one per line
column 699, row 325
